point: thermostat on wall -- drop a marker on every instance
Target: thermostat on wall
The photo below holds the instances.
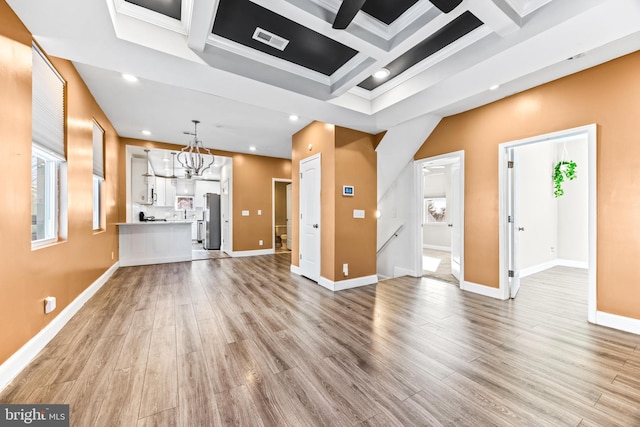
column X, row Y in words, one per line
column 347, row 190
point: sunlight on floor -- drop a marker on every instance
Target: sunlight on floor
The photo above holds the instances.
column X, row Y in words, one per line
column 430, row 264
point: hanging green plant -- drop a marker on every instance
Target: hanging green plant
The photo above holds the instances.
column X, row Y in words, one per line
column 560, row 172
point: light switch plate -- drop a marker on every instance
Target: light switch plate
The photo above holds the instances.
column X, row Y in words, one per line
column 259, row 211
column 245, row 213
column 358, row 213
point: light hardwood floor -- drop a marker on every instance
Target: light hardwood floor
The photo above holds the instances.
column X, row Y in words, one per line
column 242, row 341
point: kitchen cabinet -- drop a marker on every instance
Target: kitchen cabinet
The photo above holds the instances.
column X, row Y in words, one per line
column 142, row 191
column 204, row 187
column 170, row 193
column 185, row 187
column 165, row 192
column 160, row 189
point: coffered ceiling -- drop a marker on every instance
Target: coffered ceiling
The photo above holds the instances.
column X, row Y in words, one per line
column 242, row 67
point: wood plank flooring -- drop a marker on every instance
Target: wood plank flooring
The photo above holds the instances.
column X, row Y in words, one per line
column 242, row 341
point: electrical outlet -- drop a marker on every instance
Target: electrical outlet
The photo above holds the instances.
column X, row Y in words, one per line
column 553, row 249
column 259, row 211
column 260, row 242
column 49, row 304
column 345, row 269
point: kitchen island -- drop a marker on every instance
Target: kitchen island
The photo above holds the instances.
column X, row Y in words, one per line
column 143, row 243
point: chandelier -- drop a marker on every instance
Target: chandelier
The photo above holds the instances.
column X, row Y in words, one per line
column 192, row 157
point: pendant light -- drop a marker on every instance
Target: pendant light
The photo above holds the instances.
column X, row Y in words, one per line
column 147, row 176
column 174, row 178
column 192, row 157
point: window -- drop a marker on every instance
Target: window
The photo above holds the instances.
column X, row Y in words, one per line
column 48, row 179
column 98, row 175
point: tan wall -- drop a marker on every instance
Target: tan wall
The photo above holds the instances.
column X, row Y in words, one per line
column 252, row 189
column 65, row 269
column 347, row 157
column 317, row 138
column 280, row 197
column 356, row 239
column 608, row 95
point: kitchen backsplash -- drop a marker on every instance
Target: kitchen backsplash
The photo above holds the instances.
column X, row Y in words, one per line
column 163, row 212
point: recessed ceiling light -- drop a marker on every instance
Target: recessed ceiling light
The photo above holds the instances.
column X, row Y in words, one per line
column 146, row 132
column 252, row 148
column 381, row 73
column 130, row 78
column 293, row 117
column 494, row 87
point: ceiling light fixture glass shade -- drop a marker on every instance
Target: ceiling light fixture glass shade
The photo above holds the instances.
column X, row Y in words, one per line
column 192, row 157
column 382, row 73
column 147, row 176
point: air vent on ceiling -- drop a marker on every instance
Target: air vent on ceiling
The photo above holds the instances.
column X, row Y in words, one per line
column 270, row 39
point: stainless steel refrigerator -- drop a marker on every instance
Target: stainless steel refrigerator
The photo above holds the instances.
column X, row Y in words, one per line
column 212, row 230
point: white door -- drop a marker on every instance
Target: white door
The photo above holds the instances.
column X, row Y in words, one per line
column 310, row 217
column 289, row 219
column 225, row 244
column 455, row 223
column 513, row 224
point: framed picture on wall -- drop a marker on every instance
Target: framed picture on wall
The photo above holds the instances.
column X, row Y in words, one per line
column 184, row 203
column 435, row 209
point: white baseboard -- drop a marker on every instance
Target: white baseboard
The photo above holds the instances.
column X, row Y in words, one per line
column 437, row 248
column 487, row 291
column 21, row 358
column 572, row 263
column 399, row 271
column 149, row 261
column 614, row 321
column 383, row 277
column 238, row 254
column 550, row 264
column 296, row 270
column 341, row 285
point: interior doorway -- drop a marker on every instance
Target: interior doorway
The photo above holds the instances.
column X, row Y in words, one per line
column 547, row 215
column 281, row 215
column 440, row 184
column 310, row 216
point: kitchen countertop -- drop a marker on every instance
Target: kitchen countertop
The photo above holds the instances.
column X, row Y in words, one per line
column 156, row 222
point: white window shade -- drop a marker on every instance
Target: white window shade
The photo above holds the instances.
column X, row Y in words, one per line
column 98, row 150
column 48, row 106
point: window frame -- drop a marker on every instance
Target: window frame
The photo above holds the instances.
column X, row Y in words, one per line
column 48, row 144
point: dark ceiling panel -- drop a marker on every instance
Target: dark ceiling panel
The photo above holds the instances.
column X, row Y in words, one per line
column 387, row 11
column 446, row 35
column 170, row 8
column 237, row 20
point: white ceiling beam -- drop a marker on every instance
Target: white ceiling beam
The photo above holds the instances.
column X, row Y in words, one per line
column 492, row 16
column 203, row 13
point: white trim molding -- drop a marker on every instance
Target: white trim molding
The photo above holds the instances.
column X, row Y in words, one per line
column 296, row 270
column 487, row 291
column 239, row 254
column 621, row 323
column 341, row 285
column 399, row 271
column 437, row 248
column 21, row 358
column 552, row 263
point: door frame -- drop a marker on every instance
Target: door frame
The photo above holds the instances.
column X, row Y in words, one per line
column 590, row 131
column 419, row 207
column 317, row 157
column 273, row 208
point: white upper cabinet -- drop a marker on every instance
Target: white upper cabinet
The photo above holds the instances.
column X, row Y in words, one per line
column 204, row 187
